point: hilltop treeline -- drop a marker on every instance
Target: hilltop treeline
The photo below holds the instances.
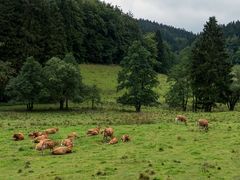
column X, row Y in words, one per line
column 232, row 34
column 93, row 31
column 177, row 38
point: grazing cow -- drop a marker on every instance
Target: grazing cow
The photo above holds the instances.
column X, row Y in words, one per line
column 203, row 123
column 45, row 144
column 67, row 143
column 108, row 132
column 113, row 141
column 40, row 138
column 93, row 132
column 61, row 150
column 51, row 130
column 72, row 136
column 181, row 118
column 125, row 138
column 18, row 137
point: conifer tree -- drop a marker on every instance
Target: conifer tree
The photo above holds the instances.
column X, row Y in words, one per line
column 210, row 67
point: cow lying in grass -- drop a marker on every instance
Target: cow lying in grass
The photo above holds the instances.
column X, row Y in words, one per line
column 61, row 150
column 93, row 132
column 113, row 141
column 45, row 144
column 125, row 138
column 181, row 118
column 72, row 136
column 67, row 143
column 33, row 135
column 40, row 138
column 51, row 130
column 108, row 132
column 18, row 137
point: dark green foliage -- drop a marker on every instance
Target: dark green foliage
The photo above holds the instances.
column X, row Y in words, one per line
column 27, row 85
column 93, row 31
column 30, row 28
column 138, row 78
column 210, row 67
column 63, row 81
column 178, row 39
column 6, row 73
column 179, row 77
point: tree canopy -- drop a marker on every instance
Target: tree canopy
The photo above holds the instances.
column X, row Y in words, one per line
column 138, row 78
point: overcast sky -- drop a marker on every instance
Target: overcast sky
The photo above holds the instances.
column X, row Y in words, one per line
column 187, row 14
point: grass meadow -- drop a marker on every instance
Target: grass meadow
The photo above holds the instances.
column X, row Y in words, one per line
column 159, row 148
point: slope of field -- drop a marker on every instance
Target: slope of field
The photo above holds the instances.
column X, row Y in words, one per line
column 159, row 149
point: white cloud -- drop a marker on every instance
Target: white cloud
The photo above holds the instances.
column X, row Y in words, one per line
column 187, row 14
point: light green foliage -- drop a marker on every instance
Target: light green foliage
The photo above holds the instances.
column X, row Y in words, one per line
column 27, row 85
column 234, row 88
column 179, row 77
column 63, row 80
column 92, row 94
column 138, row 78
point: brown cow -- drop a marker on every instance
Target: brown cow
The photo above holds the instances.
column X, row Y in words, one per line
column 125, row 138
column 40, row 138
column 61, row 150
column 45, row 144
column 51, row 130
column 181, row 118
column 113, row 141
column 108, row 132
column 203, row 123
column 93, row 132
column 18, row 137
column 67, row 143
column 36, row 134
column 72, row 136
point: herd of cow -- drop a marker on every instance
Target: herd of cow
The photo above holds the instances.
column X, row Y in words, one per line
column 44, row 142
column 202, row 123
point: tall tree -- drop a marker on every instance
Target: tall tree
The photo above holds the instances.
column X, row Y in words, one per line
column 210, row 67
column 138, row 78
column 179, row 77
column 62, row 81
column 26, row 87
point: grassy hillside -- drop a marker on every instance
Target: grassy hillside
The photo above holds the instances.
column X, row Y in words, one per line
column 105, row 77
column 160, row 148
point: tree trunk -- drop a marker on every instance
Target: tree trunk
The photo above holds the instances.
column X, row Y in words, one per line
column 61, row 104
column 231, row 107
column 138, row 108
column 66, row 103
column 92, row 103
column 30, row 106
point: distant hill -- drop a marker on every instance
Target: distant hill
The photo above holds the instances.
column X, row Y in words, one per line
column 175, row 37
column 232, row 34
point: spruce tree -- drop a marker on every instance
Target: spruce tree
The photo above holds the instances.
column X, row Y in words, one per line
column 138, row 78
column 210, row 67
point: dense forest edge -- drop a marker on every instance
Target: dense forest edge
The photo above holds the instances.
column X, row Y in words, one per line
column 43, row 39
